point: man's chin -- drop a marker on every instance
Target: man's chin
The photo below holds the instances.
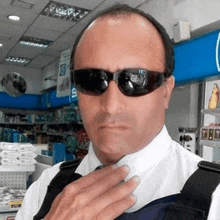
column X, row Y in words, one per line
column 111, row 152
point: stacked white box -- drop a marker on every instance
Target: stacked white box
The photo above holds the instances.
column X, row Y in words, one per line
column 8, row 154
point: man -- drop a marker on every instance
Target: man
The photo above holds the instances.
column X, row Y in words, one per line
column 122, row 70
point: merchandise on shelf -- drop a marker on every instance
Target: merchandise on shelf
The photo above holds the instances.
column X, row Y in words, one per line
column 17, row 154
column 12, row 135
column 211, row 132
column 10, row 199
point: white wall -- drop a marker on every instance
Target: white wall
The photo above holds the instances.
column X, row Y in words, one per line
column 202, row 15
column 51, row 72
column 33, row 77
column 199, row 13
column 162, row 11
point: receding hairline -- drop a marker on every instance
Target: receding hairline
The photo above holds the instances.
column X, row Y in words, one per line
column 119, row 10
column 123, row 17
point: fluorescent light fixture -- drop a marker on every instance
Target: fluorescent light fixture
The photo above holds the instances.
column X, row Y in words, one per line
column 17, row 60
column 64, row 12
column 34, row 42
column 14, row 17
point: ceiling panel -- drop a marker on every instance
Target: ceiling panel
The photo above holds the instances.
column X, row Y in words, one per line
column 87, row 4
column 39, row 5
column 42, row 33
column 8, row 43
column 12, row 63
column 25, row 51
column 26, row 16
column 52, row 52
column 132, row 3
column 41, row 61
column 3, row 52
column 60, row 46
column 5, row 38
column 52, row 23
column 12, row 29
column 66, row 38
column 5, row 3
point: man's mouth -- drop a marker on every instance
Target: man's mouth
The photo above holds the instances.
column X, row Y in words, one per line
column 114, row 127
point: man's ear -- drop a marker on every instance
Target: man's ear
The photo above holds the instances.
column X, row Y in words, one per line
column 169, row 85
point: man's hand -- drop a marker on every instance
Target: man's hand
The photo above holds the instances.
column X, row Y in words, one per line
column 101, row 195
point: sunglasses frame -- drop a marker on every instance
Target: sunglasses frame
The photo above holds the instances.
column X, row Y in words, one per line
column 115, row 76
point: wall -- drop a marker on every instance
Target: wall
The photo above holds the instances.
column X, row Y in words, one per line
column 33, row 77
column 183, row 109
column 199, row 13
column 202, row 15
column 50, row 72
column 162, row 11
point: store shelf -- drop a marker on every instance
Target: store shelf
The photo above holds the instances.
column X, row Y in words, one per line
column 211, row 143
column 214, row 112
column 7, row 208
column 28, row 168
column 17, row 123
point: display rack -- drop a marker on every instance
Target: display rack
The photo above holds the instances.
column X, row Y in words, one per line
column 214, row 112
column 14, row 177
column 211, row 143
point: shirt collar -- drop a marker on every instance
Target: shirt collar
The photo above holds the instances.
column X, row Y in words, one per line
column 148, row 156
column 137, row 161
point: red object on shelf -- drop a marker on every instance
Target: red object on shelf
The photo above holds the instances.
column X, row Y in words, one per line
column 82, row 136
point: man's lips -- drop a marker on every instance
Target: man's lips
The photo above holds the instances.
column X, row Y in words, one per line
column 115, row 127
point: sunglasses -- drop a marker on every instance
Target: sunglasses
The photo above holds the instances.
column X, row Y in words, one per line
column 131, row 82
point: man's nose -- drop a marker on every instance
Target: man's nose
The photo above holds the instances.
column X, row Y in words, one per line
column 113, row 100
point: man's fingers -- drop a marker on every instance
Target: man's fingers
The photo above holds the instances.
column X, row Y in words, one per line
column 94, row 189
column 99, row 191
column 93, row 177
column 116, row 195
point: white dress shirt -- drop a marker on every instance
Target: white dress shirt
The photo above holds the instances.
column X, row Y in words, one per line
column 163, row 166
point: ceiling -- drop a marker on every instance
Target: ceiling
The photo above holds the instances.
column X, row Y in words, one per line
column 34, row 24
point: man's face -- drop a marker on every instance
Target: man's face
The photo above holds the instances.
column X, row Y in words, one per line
column 117, row 124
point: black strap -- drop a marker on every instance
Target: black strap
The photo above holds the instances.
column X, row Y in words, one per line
column 65, row 176
column 195, row 197
column 198, row 189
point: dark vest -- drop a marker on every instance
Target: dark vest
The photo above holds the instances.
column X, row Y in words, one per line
column 192, row 203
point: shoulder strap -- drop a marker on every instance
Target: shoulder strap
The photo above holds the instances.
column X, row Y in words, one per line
column 65, row 176
column 198, row 189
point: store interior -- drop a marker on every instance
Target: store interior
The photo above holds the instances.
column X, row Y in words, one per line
column 40, row 120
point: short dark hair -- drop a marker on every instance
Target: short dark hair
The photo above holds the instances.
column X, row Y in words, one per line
column 124, row 10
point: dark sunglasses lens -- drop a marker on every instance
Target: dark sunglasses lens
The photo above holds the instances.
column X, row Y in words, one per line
column 139, row 82
column 90, row 81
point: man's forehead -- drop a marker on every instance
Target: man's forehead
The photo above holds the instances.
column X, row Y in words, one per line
column 125, row 35
column 117, row 20
column 132, row 24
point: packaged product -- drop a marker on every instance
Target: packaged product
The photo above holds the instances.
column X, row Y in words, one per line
column 8, row 153
column 9, row 161
column 8, row 146
column 26, row 154
column 26, row 161
column 25, row 147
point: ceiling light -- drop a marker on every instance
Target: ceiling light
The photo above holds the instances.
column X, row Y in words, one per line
column 1, row 45
column 34, row 42
column 14, row 17
column 17, row 60
column 63, row 11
